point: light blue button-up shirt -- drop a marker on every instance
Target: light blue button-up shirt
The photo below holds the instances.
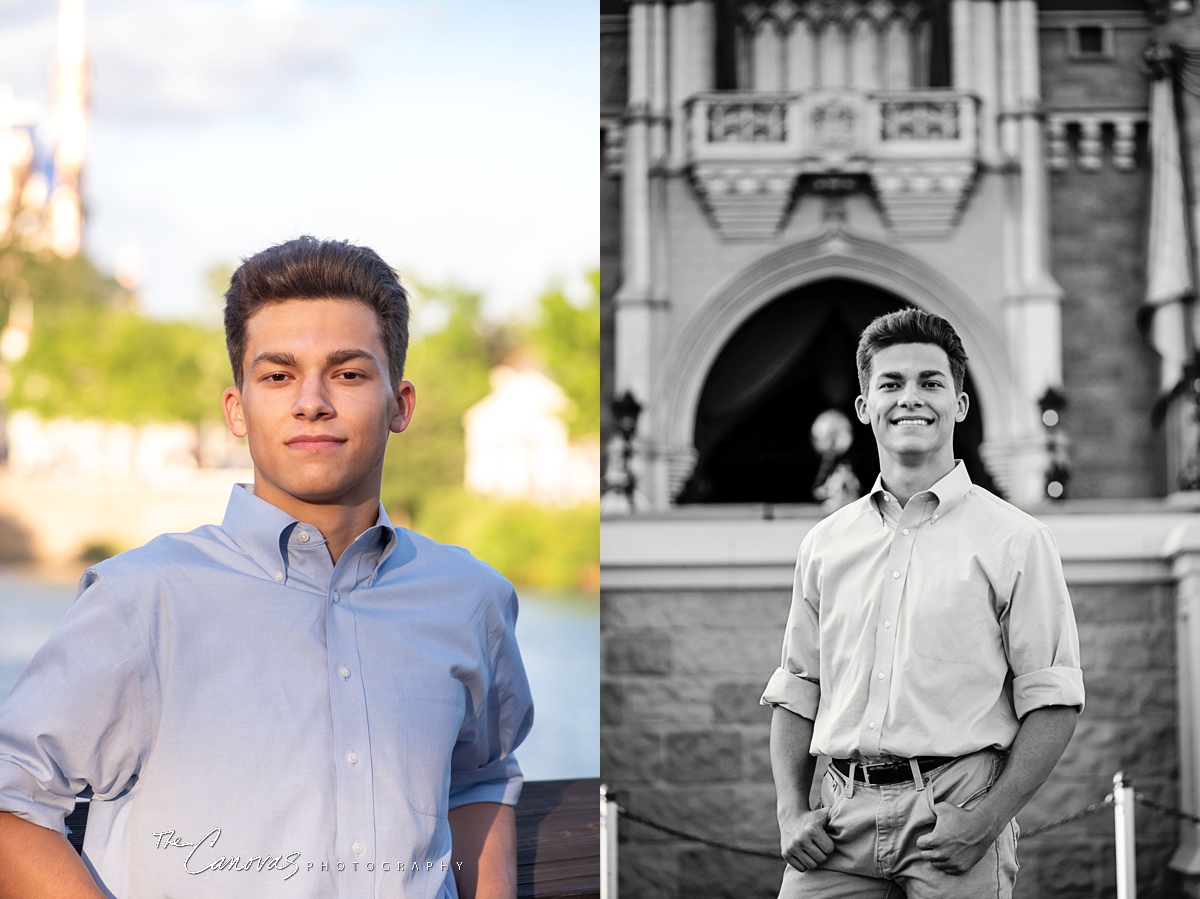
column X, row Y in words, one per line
column 253, row 720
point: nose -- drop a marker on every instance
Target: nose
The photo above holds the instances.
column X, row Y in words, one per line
column 910, row 396
column 312, row 400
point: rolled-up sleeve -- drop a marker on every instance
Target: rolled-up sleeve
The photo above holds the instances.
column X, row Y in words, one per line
column 482, row 767
column 796, row 683
column 78, row 717
column 1039, row 630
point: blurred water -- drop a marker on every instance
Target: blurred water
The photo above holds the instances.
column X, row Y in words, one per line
column 560, row 643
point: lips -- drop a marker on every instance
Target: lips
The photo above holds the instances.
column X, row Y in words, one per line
column 315, row 441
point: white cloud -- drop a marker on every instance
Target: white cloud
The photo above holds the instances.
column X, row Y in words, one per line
column 189, row 60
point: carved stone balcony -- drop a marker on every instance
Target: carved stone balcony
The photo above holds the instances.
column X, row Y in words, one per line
column 747, row 151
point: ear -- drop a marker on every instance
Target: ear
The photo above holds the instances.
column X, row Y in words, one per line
column 964, row 403
column 231, row 401
column 406, row 402
column 860, row 407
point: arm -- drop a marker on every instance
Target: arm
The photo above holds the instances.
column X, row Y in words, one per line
column 961, row 837
column 39, row 863
column 485, row 842
column 803, row 841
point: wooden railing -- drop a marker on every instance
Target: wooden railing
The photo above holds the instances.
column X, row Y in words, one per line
column 558, row 838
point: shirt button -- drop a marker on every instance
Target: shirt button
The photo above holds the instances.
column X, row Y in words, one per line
column 906, row 531
column 887, row 624
column 344, row 671
column 279, row 575
column 935, row 517
column 887, row 497
column 895, row 574
column 302, row 536
column 353, row 757
column 881, row 675
column 871, row 724
column 337, row 597
column 358, row 848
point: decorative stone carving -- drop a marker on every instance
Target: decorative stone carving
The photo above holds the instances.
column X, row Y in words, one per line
column 747, row 201
column 614, row 147
column 922, row 199
column 1089, row 152
column 748, row 149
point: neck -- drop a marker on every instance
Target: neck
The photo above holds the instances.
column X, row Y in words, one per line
column 904, row 478
column 339, row 523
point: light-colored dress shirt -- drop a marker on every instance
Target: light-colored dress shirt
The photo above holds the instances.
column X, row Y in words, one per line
column 255, row 721
column 930, row 629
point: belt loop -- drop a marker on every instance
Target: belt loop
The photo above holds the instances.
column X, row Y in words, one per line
column 918, row 779
column 850, row 782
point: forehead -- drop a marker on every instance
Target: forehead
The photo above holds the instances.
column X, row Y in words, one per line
column 319, row 323
column 910, row 358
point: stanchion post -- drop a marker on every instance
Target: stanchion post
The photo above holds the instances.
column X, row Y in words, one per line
column 609, row 830
column 1123, row 803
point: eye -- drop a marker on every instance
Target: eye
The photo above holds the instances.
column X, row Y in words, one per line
column 276, row 377
column 933, row 384
column 350, row 376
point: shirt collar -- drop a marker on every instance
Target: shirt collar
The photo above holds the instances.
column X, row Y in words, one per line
column 947, row 491
column 263, row 531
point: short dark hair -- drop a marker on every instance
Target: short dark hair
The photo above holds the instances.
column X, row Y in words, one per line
column 910, row 326
column 310, row 269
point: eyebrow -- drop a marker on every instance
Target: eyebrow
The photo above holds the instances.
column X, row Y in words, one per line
column 337, row 357
column 899, row 376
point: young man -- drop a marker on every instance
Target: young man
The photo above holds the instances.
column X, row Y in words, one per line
column 303, row 701
column 930, row 651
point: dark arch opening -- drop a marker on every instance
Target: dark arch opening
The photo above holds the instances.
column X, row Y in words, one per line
column 791, row 361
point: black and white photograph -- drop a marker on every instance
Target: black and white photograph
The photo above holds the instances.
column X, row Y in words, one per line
column 900, row 521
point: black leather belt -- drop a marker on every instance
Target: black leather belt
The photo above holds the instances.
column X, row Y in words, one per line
column 899, row 771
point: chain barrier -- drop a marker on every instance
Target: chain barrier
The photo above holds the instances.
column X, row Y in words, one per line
column 1092, row 809
column 1167, row 810
column 716, row 844
column 1107, row 802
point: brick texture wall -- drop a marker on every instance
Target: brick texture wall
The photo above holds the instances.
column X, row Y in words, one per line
column 685, row 743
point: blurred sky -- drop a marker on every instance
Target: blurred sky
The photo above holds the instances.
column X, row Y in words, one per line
column 456, row 138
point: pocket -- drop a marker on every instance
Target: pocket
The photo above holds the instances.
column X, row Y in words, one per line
column 951, row 618
column 431, row 715
column 833, row 792
column 967, row 780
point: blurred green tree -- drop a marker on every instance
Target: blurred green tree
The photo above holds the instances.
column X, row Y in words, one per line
column 566, row 338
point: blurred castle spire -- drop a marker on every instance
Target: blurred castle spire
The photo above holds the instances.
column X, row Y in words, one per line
column 65, row 206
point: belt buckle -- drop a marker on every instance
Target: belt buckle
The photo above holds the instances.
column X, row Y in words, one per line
column 866, row 770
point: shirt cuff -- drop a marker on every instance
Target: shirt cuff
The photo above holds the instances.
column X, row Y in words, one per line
column 22, row 796
column 1045, row 687
column 792, row 692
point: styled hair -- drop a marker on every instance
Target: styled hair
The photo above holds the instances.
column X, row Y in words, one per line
column 311, row 269
column 910, row 326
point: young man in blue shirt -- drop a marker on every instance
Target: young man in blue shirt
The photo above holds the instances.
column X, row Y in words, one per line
column 303, row 701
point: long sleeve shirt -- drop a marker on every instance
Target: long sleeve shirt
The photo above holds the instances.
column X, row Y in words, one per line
column 927, row 630
column 252, row 720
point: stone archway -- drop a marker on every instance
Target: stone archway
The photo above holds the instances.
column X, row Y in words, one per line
column 692, row 355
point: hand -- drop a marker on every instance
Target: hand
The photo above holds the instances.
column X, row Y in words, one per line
column 803, row 839
column 959, row 839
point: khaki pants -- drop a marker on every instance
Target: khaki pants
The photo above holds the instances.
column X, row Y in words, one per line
column 875, row 829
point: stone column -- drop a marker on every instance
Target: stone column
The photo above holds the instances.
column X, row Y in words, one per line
column 961, row 52
column 1183, row 549
column 986, row 77
column 1033, row 315
column 637, row 309
column 693, row 66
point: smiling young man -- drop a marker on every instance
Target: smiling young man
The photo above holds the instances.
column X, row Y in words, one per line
column 930, row 652
column 303, row 701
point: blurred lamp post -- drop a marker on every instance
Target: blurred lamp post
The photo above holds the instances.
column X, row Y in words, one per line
column 1052, row 404
column 620, row 479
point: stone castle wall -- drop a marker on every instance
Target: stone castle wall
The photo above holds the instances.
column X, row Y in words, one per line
column 685, row 742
